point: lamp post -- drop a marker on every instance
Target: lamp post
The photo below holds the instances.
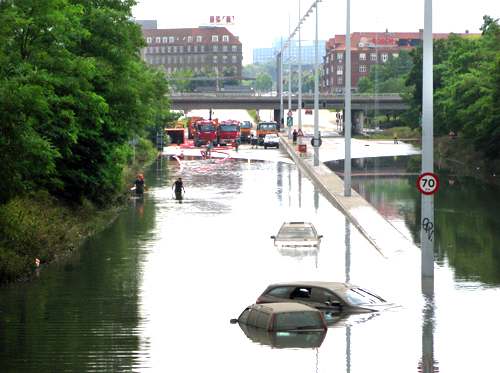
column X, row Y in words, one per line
column 347, row 114
column 316, row 93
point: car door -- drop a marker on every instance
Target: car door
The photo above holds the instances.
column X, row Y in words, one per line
column 325, row 300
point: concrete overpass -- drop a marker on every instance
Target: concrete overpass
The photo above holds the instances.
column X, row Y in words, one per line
column 216, row 100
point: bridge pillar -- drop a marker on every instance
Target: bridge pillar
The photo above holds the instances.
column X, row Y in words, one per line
column 358, row 120
column 278, row 118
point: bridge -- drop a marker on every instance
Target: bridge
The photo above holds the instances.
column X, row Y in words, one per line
column 246, row 101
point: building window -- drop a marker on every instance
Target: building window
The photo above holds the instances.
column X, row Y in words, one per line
column 171, row 39
column 216, row 59
column 158, row 39
column 215, row 38
column 195, row 59
column 198, row 38
column 196, row 49
column 151, row 60
column 340, row 56
column 202, row 48
column 169, row 49
column 216, row 69
column 169, row 60
column 190, row 39
column 224, row 48
column 234, row 59
column 157, row 49
column 165, row 39
column 195, row 68
column 175, row 60
column 395, row 55
column 189, row 49
column 175, row 48
column 340, row 70
column 373, row 56
column 235, row 48
column 162, row 49
column 202, row 59
column 149, row 40
column 163, row 60
column 340, row 80
column 181, row 60
column 362, row 68
column 225, row 38
column 151, row 49
column 384, row 57
column 216, row 49
column 169, row 71
column 362, row 56
column 224, row 59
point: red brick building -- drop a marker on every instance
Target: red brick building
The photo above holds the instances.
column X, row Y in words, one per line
column 193, row 48
column 367, row 49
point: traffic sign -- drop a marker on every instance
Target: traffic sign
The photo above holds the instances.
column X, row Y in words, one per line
column 289, row 121
column 299, row 133
column 428, row 183
column 290, row 114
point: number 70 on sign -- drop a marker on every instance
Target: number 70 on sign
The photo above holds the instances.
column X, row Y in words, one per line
column 428, row 183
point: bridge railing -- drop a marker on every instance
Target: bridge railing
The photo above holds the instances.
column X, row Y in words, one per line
column 304, row 95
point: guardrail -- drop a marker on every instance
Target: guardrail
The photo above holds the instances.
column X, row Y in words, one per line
column 304, row 95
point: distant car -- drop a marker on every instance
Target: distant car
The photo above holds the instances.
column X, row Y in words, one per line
column 297, row 234
column 328, row 297
column 309, row 111
column 271, row 140
column 278, row 317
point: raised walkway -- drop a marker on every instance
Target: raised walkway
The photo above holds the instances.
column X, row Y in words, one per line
column 372, row 225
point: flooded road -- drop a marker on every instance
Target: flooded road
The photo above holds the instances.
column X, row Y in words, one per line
column 156, row 290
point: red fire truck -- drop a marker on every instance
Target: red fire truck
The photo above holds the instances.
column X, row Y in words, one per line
column 205, row 131
column 228, row 131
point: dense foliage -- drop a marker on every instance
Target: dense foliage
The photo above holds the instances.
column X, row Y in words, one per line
column 74, row 91
column 466, row 87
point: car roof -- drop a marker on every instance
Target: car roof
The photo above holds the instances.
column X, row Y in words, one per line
column 284, row 307
column 334, row 286
column 297, row 224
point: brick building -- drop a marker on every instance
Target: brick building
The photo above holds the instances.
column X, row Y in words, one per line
column 367, row 49
column 193, row 48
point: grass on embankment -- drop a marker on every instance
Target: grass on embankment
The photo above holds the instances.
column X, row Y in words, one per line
column 37, row 226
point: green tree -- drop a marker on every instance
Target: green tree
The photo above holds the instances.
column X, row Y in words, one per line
column 264, row 82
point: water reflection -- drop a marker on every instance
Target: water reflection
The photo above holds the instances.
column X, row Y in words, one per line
column 466, row 212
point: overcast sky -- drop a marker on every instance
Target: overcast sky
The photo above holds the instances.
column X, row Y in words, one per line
column 257, row 22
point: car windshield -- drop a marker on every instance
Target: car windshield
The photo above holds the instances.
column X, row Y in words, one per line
column 361, row 296
column 296, row 232
column 207, row 127
column 245, row 125
column 228, row 127
column 267, row 127
column 298, row 320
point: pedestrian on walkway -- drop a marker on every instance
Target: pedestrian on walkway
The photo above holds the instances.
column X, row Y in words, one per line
column 395, row 138
column 294, row 136
column 236, row 144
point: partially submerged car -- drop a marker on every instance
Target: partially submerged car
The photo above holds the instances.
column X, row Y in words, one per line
column 328, row 297
column 297, row 234
column 279, row 317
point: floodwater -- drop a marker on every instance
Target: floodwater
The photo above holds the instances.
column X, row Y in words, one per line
column 156, row 290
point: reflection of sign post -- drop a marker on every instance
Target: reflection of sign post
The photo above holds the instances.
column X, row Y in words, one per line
column 428, row 183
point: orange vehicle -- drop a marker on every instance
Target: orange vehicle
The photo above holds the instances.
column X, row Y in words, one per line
column 245, row 131
column 191, row 126
column 263, row 128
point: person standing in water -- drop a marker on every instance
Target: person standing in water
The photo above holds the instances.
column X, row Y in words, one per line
column 140, row 185
column 179, row 188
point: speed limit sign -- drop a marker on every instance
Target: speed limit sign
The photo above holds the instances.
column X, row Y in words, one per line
column 428, row 183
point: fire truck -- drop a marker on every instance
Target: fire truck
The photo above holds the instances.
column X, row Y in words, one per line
column 228, row 131
column 245, row 131
column 263, row 128
column 205, row 131
column 190, row 126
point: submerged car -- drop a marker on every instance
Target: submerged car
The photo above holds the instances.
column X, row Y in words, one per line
column 282, row 317
column 309, row 111
column 297, row 234
column 271, row 140
column 328, row 297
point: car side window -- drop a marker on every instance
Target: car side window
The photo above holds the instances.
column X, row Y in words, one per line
column 281, row 292
column 252, row 318
column 262, row 320
column 301, row 293
column 244, row 316
column 323, row 296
